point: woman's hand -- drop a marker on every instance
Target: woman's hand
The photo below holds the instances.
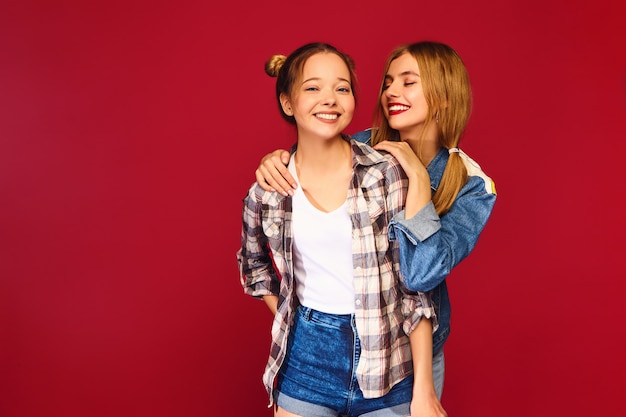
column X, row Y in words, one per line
column 426, row 404
column 404, row 154
column 419, row 193
column 273, row 175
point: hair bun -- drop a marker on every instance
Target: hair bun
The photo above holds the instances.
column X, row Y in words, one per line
column 274, row 64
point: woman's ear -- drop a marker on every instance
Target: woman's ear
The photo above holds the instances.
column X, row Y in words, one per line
column 286, row 104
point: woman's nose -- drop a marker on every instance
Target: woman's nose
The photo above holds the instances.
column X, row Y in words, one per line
column 391, row 91
column 329, row 98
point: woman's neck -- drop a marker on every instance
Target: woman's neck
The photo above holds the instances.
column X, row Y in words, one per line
column 323, row 155
column 324, row 170
column 427, row 147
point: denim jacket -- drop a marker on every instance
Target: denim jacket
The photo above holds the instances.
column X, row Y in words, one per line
column 430, row 245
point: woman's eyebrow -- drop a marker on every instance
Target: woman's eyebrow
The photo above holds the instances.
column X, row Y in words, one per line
column 403, row 74
column 317, row 79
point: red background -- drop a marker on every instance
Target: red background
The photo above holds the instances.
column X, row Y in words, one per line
column 129, row 133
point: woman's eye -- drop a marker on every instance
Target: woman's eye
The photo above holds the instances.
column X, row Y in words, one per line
column 344, row 89
column 408, row 83
column 386, row 86
column 310, row 89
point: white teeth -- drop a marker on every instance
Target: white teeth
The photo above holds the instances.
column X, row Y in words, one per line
column 398, row 107
column 327, row 116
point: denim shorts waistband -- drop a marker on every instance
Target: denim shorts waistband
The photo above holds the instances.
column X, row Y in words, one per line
column 340, row 321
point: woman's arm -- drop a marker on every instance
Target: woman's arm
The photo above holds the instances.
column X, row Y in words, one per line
column 273, row 175
column 257, row 274
column 431, row 246
column 424, row 402
column 272, row 302
column 418, row 311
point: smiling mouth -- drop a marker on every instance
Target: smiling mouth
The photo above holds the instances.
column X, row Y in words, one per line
column 327, row 116
column 398, row 107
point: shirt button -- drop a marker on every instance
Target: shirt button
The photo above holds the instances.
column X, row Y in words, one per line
column 358, row 302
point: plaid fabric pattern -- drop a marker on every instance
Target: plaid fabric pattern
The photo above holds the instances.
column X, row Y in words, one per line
column 385, row 310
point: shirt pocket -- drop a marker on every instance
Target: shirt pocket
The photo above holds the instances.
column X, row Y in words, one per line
column 379, row 222
column 273, row 228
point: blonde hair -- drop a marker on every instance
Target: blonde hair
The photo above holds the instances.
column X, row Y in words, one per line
column 274, row 64
column 448, row 94
column 287, row 69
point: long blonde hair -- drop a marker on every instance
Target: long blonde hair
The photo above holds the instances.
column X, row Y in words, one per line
column 448, row 94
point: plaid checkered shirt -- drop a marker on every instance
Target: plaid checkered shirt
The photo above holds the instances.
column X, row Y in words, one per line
column 386, row 312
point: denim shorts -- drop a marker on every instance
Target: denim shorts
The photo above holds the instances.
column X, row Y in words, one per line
column 439, row 367
column 318, row 377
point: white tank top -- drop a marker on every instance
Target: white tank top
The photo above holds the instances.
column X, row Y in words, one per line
column 322, row 255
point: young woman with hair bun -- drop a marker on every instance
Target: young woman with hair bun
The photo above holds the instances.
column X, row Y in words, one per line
column 348, row 338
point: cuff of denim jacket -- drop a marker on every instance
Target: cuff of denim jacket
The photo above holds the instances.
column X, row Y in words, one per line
column 419, row 227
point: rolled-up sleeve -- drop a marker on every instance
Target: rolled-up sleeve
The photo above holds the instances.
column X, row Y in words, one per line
column 256, row 272
column 414, row 308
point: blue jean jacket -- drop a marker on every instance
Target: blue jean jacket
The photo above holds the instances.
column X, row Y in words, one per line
column 430, row 245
